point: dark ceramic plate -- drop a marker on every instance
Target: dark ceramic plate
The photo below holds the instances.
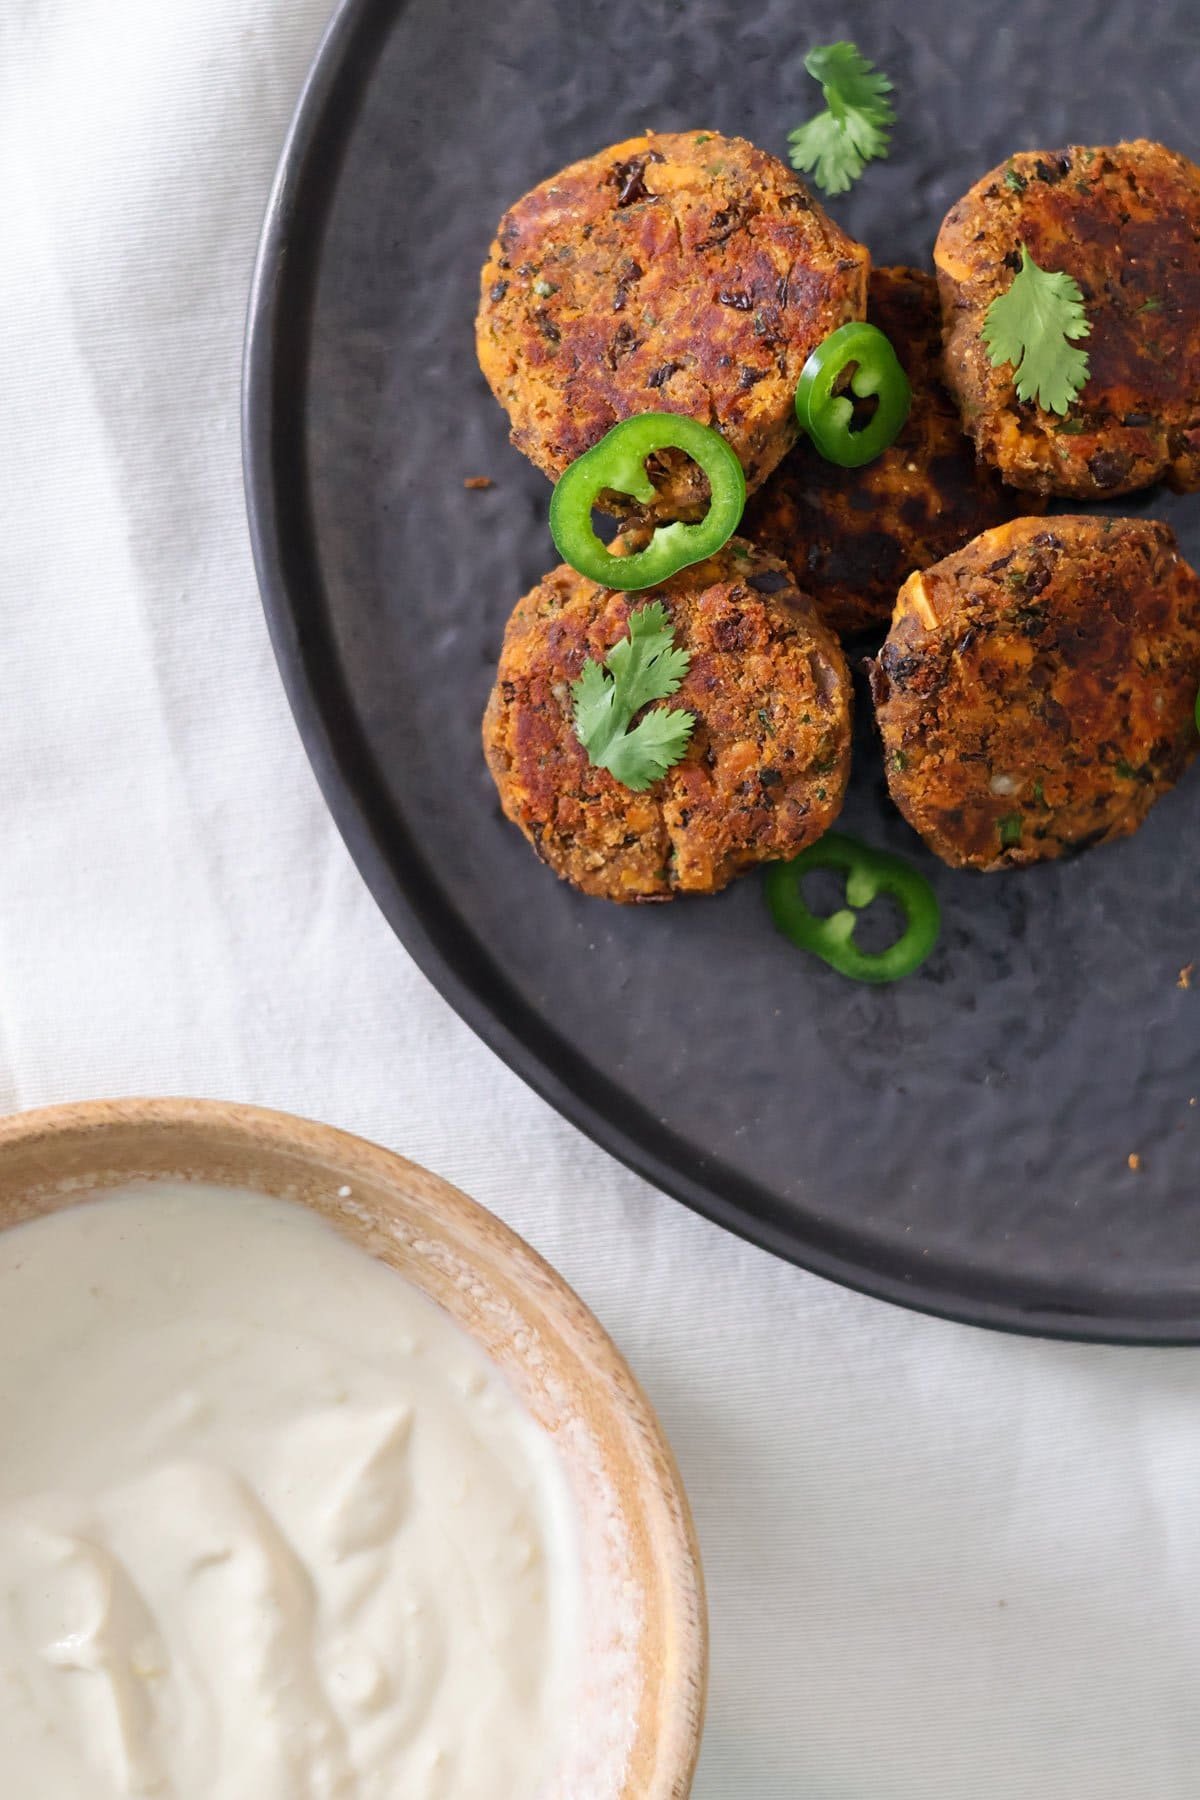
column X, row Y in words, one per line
column 959, row 1142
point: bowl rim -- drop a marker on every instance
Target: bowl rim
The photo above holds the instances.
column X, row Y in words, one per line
column 677, row 1553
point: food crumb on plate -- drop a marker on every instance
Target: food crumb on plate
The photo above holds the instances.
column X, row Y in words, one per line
column 478, row 482
column 1185, row 976
column 1135, row 1161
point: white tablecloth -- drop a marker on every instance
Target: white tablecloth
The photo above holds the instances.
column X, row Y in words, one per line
column 940, row 1562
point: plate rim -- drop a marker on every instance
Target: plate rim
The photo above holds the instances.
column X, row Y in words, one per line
column 456, row 966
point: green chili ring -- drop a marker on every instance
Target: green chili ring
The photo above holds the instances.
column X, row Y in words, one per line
column 618, row 462
column 868, row 873
column 827, row 416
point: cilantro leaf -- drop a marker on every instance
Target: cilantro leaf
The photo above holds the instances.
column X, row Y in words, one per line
column 646, row 665
column 642, row 667
column 835, row 146
column 640, row 756
column 822, row 149
column 593, row 695
column 1030, row 326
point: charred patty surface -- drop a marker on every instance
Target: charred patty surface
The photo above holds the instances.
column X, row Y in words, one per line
column 853, row 535
column 1035, row 693
column 1125, row 222
column 765, row 771
column 682, row 272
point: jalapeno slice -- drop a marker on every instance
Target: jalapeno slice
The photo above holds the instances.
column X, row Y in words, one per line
column 618, row 462
column 868, row 873
column 827, row 415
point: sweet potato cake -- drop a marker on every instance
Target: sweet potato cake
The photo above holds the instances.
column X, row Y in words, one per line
column 853, row 535
column 766, row 768
column 1125, row 222
column 683, row 272
column 1035, row 694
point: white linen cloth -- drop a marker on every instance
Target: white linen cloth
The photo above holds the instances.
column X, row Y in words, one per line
column 940, row 1562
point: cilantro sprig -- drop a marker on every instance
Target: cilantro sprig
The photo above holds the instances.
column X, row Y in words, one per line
column 1031, row 326
column 836, row 146
column 647, row 665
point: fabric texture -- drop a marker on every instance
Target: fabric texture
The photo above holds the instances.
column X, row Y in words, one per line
column 939, row 1562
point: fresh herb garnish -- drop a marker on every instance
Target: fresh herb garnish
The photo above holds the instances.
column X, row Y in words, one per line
column 836, row 145
column 1030, row 326
column 1010, row 830
column 642, row 667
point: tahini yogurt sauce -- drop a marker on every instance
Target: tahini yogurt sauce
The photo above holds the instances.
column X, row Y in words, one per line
column 271, row 1526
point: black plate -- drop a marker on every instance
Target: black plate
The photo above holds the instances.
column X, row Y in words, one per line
column 958, row 1143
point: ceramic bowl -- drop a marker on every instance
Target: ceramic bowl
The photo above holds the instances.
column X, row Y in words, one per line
column 635, row 1727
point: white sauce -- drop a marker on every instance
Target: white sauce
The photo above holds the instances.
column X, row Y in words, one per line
column 271, row 1526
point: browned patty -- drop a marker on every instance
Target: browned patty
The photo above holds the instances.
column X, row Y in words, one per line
column 1035, row 694
column 1125, row 222
column 686, row 273
column 852, row 535
column 765, row 771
